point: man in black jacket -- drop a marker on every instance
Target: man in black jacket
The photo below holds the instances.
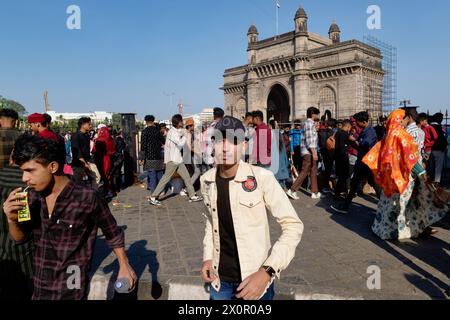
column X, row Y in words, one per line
column 150, row 156
column 342, row 140
column 81, row 153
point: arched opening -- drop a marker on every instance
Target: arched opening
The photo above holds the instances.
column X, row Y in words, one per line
column 327, row 101
column 278, row 107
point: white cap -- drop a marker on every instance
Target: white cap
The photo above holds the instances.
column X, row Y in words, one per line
column 101, row 126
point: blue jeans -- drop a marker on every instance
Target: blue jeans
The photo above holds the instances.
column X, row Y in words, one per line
column 228, row 292
column 153, row 178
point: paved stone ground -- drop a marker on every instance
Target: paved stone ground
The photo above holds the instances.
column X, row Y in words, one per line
column 165, row 243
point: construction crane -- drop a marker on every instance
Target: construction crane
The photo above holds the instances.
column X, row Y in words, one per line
column 46, row 105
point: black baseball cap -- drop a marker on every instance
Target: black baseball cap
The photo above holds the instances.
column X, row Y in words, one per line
column 231, row 128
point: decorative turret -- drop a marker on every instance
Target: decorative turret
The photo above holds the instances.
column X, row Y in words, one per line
column 334, row 33
column 301, row 21
column 252, row 34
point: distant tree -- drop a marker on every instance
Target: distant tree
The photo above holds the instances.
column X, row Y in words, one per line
column 116, row 121
column 14, row 105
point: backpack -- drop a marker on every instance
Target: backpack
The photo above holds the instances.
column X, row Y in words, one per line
column 331, row 143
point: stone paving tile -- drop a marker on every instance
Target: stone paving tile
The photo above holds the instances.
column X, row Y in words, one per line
column 332, row 258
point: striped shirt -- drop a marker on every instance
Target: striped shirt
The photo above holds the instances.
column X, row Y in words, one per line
column 419, row 136
column 310, row 138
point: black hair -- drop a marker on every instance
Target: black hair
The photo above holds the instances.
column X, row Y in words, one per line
column 149, row 119
column 438, row 117
column 82, row 121
column 9, row 113
column 346, row 122
column 332, row 123
column 44, row 151
column 47, row 121
column 411, row 113
column 421, row 117
column 312, row 111
column 258, row 114
column 272, row 124
column 248, row 114
column 327, row 116
column 218, row 113
column 177, row 119
column 362, row 116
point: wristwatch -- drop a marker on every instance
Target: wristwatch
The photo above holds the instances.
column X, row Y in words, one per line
column 270, row 271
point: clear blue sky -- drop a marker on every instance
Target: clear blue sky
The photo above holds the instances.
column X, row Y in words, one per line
column 129, row 52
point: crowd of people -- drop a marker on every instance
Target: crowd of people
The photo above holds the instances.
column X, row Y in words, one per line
column 321, row 155
column 241, row 169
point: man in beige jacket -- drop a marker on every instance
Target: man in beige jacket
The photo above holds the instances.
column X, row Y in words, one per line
column 237, row 262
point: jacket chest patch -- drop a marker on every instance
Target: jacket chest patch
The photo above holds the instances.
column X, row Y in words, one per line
column 250, row 184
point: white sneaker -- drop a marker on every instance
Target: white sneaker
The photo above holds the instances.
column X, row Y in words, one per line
column 195, row 199
column 154, row 201
column 293, row 195
column 183, row 193
column 317, row 195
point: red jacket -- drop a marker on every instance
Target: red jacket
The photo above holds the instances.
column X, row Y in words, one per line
column 48, row 134
column 262, row 144
column 430, row 137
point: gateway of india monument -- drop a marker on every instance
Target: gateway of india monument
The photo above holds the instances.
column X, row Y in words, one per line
column 287, row 74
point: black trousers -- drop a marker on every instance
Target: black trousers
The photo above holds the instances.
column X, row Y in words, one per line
column 297, row 158
column 328, row 163
column 361, row 174
column 343, row 173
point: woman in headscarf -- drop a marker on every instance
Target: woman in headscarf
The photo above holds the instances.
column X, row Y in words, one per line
column 406, row 209
column 103, row 150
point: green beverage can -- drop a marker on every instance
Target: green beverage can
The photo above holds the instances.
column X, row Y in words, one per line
column 24, row 214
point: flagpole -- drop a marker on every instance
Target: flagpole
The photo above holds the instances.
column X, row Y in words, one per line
column 277, row 8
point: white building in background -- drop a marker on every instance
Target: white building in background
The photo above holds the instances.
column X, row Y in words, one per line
column 204, row 118
column 96, row 116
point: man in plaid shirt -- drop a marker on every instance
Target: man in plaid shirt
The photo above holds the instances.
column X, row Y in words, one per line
column 65, row 218
column 308, row 145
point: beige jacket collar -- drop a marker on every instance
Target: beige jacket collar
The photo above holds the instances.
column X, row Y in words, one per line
column 244, row 171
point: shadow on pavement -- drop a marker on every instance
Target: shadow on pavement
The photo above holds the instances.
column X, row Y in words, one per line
column 139, row 258
column 430, row 250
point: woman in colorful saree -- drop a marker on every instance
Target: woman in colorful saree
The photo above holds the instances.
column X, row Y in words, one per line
column 407, row 208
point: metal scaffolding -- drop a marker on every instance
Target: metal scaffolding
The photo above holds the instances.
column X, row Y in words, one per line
column 389, row 65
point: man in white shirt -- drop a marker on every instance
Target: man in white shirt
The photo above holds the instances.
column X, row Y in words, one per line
column 175, row 141
column 417, row 133
column 209, row 152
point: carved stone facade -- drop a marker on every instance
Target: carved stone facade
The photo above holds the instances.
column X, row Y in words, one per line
column 288, row 74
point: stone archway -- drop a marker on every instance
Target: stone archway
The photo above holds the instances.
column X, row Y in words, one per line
column 328, row 101
column 278, row 106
